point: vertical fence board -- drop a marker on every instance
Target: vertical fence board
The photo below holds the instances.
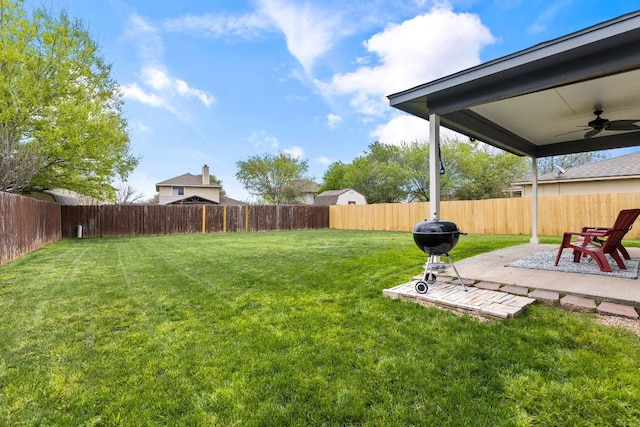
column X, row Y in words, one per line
column 26, row 224
column 556, row 214
column 137, row 220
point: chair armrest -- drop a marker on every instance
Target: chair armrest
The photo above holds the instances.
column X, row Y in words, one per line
column 601, row 230
column 587, row 237
column 583, row 233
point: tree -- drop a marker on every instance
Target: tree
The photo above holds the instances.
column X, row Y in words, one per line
column 275, row 178
column 377, row 174
column 415, row 161
column 214, row 180
column 566, row 161
column 61, row 124
column 477, row 171
column 333, row 178
column 387, row 174
column 126, row 194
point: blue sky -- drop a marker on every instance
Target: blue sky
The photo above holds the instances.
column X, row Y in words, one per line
column 215, row 82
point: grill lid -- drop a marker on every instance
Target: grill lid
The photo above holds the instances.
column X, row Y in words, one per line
column 436, row 237
column 435, row 226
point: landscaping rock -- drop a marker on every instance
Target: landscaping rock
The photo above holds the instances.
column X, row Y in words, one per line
column 545, row 297
column 488, row 285
column 516, row 290
column 578, row 303
column 618, row 310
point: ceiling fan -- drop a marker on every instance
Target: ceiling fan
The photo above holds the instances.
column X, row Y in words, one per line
column 599, row 124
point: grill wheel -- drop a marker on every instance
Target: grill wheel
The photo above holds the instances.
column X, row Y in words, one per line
column 422, row 287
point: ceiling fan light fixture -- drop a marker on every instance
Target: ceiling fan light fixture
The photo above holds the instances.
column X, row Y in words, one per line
column 598, row 122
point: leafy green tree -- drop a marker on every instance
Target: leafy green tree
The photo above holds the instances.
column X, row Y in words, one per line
column 415, row 161
column 478, row 171
column 387, row 174
column 333, row 178
column 214, row 180
column 377, row 174
column 61, row 124
column 275, row 178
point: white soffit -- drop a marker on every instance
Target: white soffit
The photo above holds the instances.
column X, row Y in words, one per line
column 561, row 114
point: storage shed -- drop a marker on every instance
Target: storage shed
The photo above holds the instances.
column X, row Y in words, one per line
column 347, row 196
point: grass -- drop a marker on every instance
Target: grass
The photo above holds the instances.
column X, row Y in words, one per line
column 287, row 328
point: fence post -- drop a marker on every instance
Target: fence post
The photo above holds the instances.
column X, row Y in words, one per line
column 204, row 218
column 224, row 219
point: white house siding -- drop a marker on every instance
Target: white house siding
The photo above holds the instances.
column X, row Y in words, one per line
column 166, row 195
column 567, row 188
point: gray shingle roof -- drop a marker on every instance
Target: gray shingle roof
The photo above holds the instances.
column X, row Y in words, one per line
column 616, row 167
column 188, row 180
column 224, row 200
column 329, row 197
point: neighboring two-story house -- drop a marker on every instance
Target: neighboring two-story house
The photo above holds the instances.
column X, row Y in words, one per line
column 190, row 189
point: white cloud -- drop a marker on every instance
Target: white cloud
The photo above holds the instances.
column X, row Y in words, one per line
column 147, row 38
column 295, row 152
column 543, row 20
column 258, row 138
column 211, row 25
column 160, row 88
column 406, row 128
column 309, row 30
column 323, row 160
column 136, row 93
column 155, row 78
column 416, row 51
column 401, row 129
column 140, row 126
column 333, row 120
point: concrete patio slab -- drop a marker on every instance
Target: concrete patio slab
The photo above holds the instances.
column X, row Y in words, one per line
column 490, row 267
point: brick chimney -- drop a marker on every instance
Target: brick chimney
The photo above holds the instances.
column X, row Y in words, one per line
column 205, row 175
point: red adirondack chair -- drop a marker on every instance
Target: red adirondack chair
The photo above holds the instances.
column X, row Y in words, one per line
column 597, row 242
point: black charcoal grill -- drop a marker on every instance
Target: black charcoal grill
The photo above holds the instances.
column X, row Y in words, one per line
column 436, row 238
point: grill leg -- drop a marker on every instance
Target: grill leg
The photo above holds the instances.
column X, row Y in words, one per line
column 456, row 270
column 428, row 275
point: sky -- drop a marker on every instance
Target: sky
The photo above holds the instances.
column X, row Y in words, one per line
column 218, row 81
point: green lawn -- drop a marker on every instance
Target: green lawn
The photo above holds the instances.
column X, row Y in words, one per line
column 287, row 328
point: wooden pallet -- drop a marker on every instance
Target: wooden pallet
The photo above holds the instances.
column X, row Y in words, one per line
column 474, row 300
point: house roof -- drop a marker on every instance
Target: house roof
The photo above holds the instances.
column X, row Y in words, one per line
column 186, row 180
column 626, row 166
column 62, row 198
column 538, row 102
column 330, row 197
column 308, row 186
column 192, row 200
column 224, row 200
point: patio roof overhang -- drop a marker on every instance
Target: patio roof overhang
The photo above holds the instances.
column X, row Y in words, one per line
column 537, row 102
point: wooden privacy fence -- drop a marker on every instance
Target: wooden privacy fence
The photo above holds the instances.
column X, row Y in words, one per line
column 137, row 220
column 26, row 224
column 556, row 214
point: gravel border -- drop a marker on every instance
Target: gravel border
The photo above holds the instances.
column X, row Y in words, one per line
column 630, row 324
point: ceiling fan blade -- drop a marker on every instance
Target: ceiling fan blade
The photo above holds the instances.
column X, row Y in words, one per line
column 571, row 131
column 592, row 132
column 622, row 125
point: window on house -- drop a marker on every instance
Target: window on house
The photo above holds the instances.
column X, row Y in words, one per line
column 177, row 191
